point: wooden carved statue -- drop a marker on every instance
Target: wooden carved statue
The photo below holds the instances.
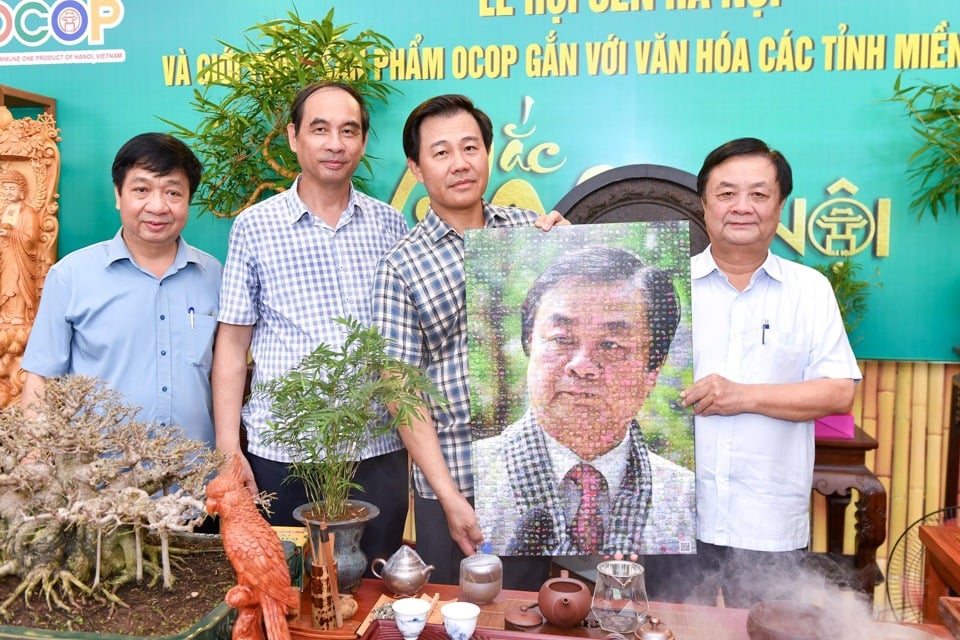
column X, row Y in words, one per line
column 263, row 595
column 29, row 172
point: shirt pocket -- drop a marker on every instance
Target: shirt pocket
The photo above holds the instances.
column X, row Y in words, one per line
column 780, row 358
column 200, row 340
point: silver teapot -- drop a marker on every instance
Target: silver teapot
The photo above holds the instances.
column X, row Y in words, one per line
column 653, row 629
column 404, row 573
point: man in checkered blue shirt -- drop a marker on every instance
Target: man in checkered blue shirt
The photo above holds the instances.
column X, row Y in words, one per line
column 419, row 307
column 295, row 262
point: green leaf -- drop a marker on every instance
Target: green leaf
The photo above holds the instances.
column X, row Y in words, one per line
column 329, row 407
column 935, row 163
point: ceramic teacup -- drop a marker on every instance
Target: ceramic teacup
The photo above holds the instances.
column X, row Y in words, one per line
column 460, row 619
column 411, row 614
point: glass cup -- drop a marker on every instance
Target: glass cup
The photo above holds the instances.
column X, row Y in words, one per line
column 481, row 578
column 620, row 596
column 411, row 614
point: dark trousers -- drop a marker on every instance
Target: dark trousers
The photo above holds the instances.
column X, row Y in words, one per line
column 385, row 482
column 436, row 547
column 744, row 577
column 211, row 524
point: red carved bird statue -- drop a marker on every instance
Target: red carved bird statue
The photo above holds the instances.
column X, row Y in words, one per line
column 263, row 590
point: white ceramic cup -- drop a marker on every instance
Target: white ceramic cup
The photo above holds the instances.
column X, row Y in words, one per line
column 411, row 614
column 460, row 619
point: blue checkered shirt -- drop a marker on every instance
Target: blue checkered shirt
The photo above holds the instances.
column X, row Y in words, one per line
column 289, row 275
column 419, row 305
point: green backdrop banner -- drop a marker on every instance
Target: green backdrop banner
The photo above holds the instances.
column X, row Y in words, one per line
column 573, row 87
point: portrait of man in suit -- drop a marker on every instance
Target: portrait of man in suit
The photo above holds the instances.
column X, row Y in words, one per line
column 574, row 474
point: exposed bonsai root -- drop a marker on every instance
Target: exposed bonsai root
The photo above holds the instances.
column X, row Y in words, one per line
column 72, row 514
column 59, row 588
column 126, row 577
column 47, row 581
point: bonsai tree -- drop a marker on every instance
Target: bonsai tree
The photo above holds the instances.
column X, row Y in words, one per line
column 245, row 104
column 80, row 481
column 332, row 403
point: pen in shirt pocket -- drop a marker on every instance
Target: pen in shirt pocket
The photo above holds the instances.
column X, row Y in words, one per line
column 192, row 313
column 763, row 331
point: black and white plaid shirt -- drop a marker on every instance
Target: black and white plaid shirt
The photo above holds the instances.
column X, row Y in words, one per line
column 419, row 306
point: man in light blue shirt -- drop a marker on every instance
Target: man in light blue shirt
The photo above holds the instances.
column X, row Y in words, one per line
column 137, row 311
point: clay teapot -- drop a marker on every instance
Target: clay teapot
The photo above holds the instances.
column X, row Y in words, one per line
column 404, row 573
column 564, row 601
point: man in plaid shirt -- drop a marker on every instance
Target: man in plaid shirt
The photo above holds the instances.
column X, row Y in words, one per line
column 419, row 300
column 295, row 262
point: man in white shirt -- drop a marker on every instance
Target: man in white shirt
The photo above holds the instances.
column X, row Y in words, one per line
column 574, row 476
column 770, row 355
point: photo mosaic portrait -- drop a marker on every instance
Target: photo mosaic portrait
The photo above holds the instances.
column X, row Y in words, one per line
column 579, row 345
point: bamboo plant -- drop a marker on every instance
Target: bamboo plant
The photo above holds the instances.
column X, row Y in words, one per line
column 328, row 407
column 935, row 111
column 245, row 103
column 851, row 291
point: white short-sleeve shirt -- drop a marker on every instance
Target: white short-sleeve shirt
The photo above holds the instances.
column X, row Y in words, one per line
column 754, row 473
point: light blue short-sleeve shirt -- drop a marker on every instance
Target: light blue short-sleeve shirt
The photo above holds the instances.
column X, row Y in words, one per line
column 151, row 339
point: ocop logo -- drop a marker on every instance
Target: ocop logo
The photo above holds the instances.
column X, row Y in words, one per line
column 33, row 22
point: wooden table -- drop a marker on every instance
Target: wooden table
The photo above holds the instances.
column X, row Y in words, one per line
column 941, row 571
column 688, row 622
column 839, row 467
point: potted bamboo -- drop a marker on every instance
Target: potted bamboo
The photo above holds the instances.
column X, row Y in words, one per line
column 325, row 410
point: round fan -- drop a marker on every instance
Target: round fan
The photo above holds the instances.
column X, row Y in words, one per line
column 905, row 566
